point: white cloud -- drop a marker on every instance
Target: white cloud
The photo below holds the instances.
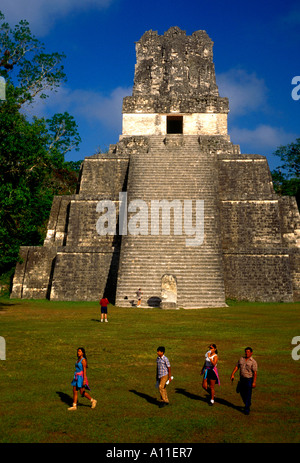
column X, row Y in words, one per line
column 263, row 137
column 92, row 106
column 42, row 14
column 248, row 95
column 246, row 91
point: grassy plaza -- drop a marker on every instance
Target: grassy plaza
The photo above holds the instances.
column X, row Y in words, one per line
column 41, row 340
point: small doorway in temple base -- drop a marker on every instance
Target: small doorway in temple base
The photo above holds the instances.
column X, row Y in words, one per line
column 174, row 124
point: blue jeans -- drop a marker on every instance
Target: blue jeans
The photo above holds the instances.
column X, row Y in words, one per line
column 246, row 392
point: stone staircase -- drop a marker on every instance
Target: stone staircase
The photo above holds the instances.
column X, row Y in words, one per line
column 174, row 168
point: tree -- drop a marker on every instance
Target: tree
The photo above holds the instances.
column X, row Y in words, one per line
column 23, row 168
column 290, row 157
column 32, row 153
column 286, row 177
column 28, row 70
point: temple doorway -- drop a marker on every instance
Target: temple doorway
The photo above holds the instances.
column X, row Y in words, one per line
column 174, row 124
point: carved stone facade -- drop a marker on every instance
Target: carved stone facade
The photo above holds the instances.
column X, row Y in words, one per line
column 174, row 152
column 175, row 78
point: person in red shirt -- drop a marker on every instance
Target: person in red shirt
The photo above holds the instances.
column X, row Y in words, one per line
column 104, row 303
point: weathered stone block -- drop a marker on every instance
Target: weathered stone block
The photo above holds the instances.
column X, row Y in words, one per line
column 32, row 278
column 85, row 274
column 258, row 277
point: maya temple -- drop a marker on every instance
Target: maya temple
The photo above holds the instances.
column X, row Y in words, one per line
column 173, row 208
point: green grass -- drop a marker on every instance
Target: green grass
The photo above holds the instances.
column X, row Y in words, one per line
column 41, row 342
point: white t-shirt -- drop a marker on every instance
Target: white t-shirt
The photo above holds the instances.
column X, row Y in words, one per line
column 207, row 360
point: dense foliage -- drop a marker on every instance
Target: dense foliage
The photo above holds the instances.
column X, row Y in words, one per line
column 286, row 178
column 32, row 151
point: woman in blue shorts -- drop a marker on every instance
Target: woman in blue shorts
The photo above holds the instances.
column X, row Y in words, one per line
column 80, row 381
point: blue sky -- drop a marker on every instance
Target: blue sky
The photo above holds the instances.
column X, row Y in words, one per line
column 256, row 56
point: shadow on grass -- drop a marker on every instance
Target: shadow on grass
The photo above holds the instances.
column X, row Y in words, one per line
column 67, row 399
column 205, row 399
column 149, row 398
column 5, row 305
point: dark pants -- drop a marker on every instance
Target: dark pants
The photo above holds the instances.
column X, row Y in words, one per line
column 246, row 392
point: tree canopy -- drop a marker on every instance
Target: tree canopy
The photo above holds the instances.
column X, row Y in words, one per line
column 32, row 152
column 286, row 177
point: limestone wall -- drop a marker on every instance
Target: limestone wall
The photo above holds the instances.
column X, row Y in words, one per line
column 32, row 277
column 58, row 221
column 76, row 263
column 82, row 224
column 257, row 263
column 85, row 274
column 245, row 177
column 156, row 124
column 97, row 178
column 174, row 62
column 258, row 277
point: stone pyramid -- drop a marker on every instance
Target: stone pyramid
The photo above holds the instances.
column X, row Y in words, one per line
column 173, row 208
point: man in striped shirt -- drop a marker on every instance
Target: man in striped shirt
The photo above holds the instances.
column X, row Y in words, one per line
column 163, row 374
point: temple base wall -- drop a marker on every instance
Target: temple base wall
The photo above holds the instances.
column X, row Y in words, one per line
column 85, row 274
column 32, row 279
column 261, row 277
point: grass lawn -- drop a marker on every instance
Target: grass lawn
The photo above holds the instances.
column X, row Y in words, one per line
column 41, row 343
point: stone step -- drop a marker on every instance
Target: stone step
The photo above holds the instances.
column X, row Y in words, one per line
column 208, row 294
column 203, row 292
column 169, row 172
column 178, row 183
column 212, row 292
column 204, row 274
column 203, row 265
column 184, row 281
column 146, row 256
column 204, row 278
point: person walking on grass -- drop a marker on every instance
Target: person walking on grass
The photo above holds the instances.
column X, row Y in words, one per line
column 104, row 303
column 80, row 381
column 248, row 374
column 163, row 374
column 210, row 372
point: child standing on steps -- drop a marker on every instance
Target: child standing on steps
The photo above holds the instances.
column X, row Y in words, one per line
column 139, row 297
column 80, row 381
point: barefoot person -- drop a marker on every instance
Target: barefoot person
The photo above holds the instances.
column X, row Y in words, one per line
column 80, row 381
column 210, row 372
